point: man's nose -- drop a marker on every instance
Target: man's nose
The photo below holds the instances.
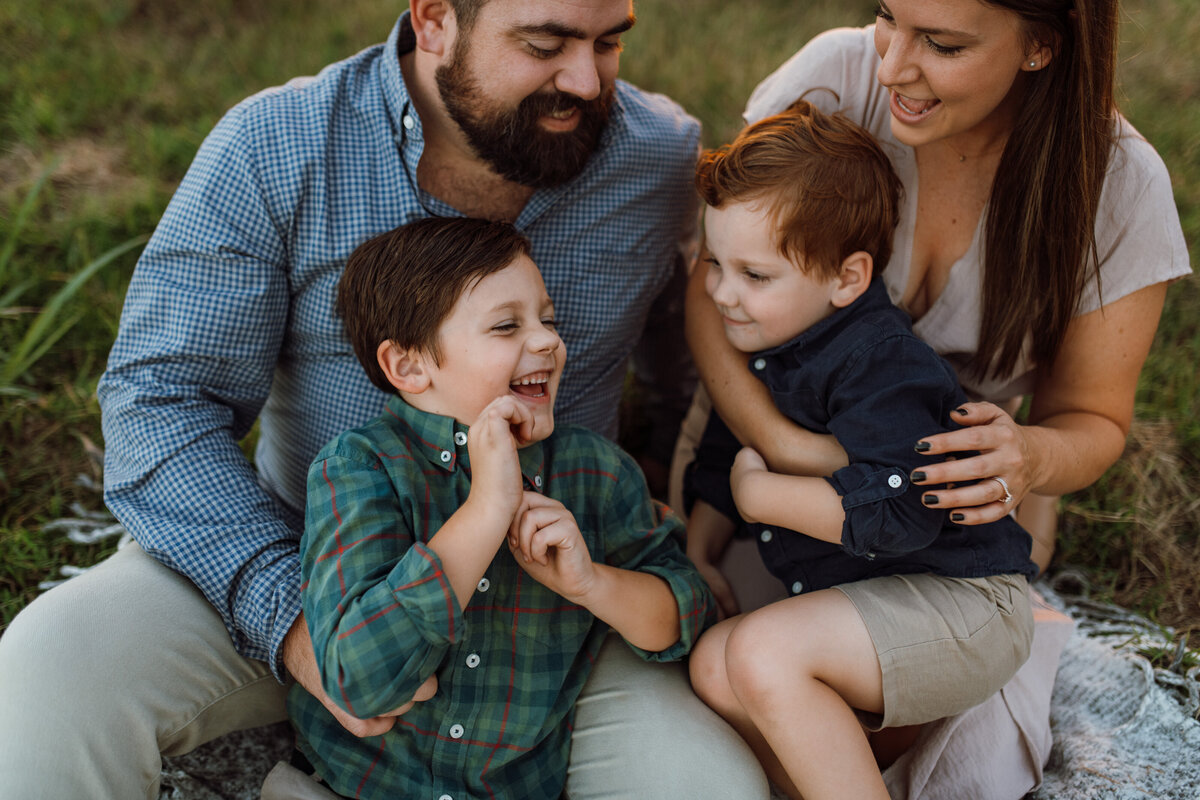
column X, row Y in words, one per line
column 579, row 74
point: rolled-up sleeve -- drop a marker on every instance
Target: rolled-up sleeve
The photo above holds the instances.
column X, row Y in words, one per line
column 644, row 535
column 886, row 398
column 378, row 603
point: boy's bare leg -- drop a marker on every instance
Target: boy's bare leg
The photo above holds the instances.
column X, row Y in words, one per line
column 796, row 668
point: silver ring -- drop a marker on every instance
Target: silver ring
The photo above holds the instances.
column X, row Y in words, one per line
column 1008, row 498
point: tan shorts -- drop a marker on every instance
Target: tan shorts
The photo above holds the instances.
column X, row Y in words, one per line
column 944, row 644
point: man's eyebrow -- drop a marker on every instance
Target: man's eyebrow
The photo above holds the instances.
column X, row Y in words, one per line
column 560, row 31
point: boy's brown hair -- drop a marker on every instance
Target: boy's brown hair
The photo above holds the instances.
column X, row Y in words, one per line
column 827, row 185
column 401, row 285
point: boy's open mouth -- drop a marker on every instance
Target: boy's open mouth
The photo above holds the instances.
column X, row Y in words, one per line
column 531, row 385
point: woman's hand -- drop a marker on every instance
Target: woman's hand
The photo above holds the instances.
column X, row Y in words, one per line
column 982, row 487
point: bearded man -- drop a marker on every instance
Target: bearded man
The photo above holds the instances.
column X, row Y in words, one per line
column 505, row 109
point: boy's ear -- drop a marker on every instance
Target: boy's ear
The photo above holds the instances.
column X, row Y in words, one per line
column 853, row 280
column 433, row 24
column 404, row 369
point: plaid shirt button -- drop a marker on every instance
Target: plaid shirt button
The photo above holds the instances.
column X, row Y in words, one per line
column 537, row 481
column 766, row 535
column 483, row 585
column 445, row 797
column 460, row 438
column 456, row 731
column 446, row 456
column 473, row 661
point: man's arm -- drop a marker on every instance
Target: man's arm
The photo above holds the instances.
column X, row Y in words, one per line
column 189, row 372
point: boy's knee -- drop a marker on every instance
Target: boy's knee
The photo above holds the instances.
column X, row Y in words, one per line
column 754, row 668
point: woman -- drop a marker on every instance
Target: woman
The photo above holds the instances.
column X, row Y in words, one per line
column 1037, row 236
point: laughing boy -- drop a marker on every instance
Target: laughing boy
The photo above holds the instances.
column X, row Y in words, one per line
column 459, row 550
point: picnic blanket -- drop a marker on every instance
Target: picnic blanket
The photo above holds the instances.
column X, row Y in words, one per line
column 1125, row 712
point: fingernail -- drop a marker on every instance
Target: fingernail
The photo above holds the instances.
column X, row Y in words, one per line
column 957, row 517
column 917, row 476
column 962, row 412
column 929, row 499
column 922, row 447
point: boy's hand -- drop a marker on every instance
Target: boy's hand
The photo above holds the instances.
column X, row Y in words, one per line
column 503, row 426
column 545, row 540
column 746, row 466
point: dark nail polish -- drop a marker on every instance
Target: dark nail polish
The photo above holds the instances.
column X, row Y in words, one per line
column 930, row 499
column 957, row 517
column 922, row 447
column 962, row 412
column 917, row 476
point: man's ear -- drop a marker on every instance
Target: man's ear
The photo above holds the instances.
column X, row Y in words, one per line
column 853, row 280
column 434, row 25
column 404, row 369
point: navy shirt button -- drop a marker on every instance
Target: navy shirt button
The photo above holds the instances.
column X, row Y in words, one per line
column 895, row 481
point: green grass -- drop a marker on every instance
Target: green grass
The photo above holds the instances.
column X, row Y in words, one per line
column 111, row 99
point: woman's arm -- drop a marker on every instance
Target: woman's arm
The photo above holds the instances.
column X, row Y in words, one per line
column 744, row 402
column 1080, row 415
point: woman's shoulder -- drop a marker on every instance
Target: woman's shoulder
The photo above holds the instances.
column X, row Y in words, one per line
column 1139, row 240
column 835, row 71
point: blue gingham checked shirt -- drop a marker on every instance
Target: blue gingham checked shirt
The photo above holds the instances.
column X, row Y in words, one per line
column 229, row 316
column 511, row 664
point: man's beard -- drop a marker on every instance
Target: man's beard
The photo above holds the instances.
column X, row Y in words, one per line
column 510, row 140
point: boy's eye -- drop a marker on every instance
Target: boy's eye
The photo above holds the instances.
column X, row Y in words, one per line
column 551, row 323
column 712, row 263
column 505, row 327
column 757, row 277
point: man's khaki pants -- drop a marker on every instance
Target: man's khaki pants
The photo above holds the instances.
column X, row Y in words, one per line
column 102, row 674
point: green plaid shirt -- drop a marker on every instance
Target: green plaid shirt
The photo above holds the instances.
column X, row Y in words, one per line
column 510, row 666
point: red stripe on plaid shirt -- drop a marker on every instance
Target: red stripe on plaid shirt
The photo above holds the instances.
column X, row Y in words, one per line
column 337, row 532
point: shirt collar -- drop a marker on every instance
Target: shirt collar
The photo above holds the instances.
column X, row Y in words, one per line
column 441, row 442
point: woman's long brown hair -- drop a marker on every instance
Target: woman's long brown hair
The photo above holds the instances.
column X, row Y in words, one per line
column 1040, row 231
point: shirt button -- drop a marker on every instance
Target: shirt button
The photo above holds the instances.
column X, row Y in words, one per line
column 766, row 535
column 537, row 481
column 483, row 585
column 460, row 438
column 446, row 456
column 895, row 481
column 870, row 556
column 445, row 797
column 760, row 363
column 456, row 731
column 797, row 587
column 473, row 661
column 409, row 122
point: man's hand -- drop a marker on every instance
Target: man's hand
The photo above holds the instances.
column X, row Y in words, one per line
column 545, row 540
column 503, row 426
column 301, row 663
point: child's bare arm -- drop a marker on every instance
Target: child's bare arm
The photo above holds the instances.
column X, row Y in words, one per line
column 808, row 505
column 546, row 541
column 708, row 534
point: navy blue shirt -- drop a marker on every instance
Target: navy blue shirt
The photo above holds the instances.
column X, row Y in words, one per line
column 863, row 376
